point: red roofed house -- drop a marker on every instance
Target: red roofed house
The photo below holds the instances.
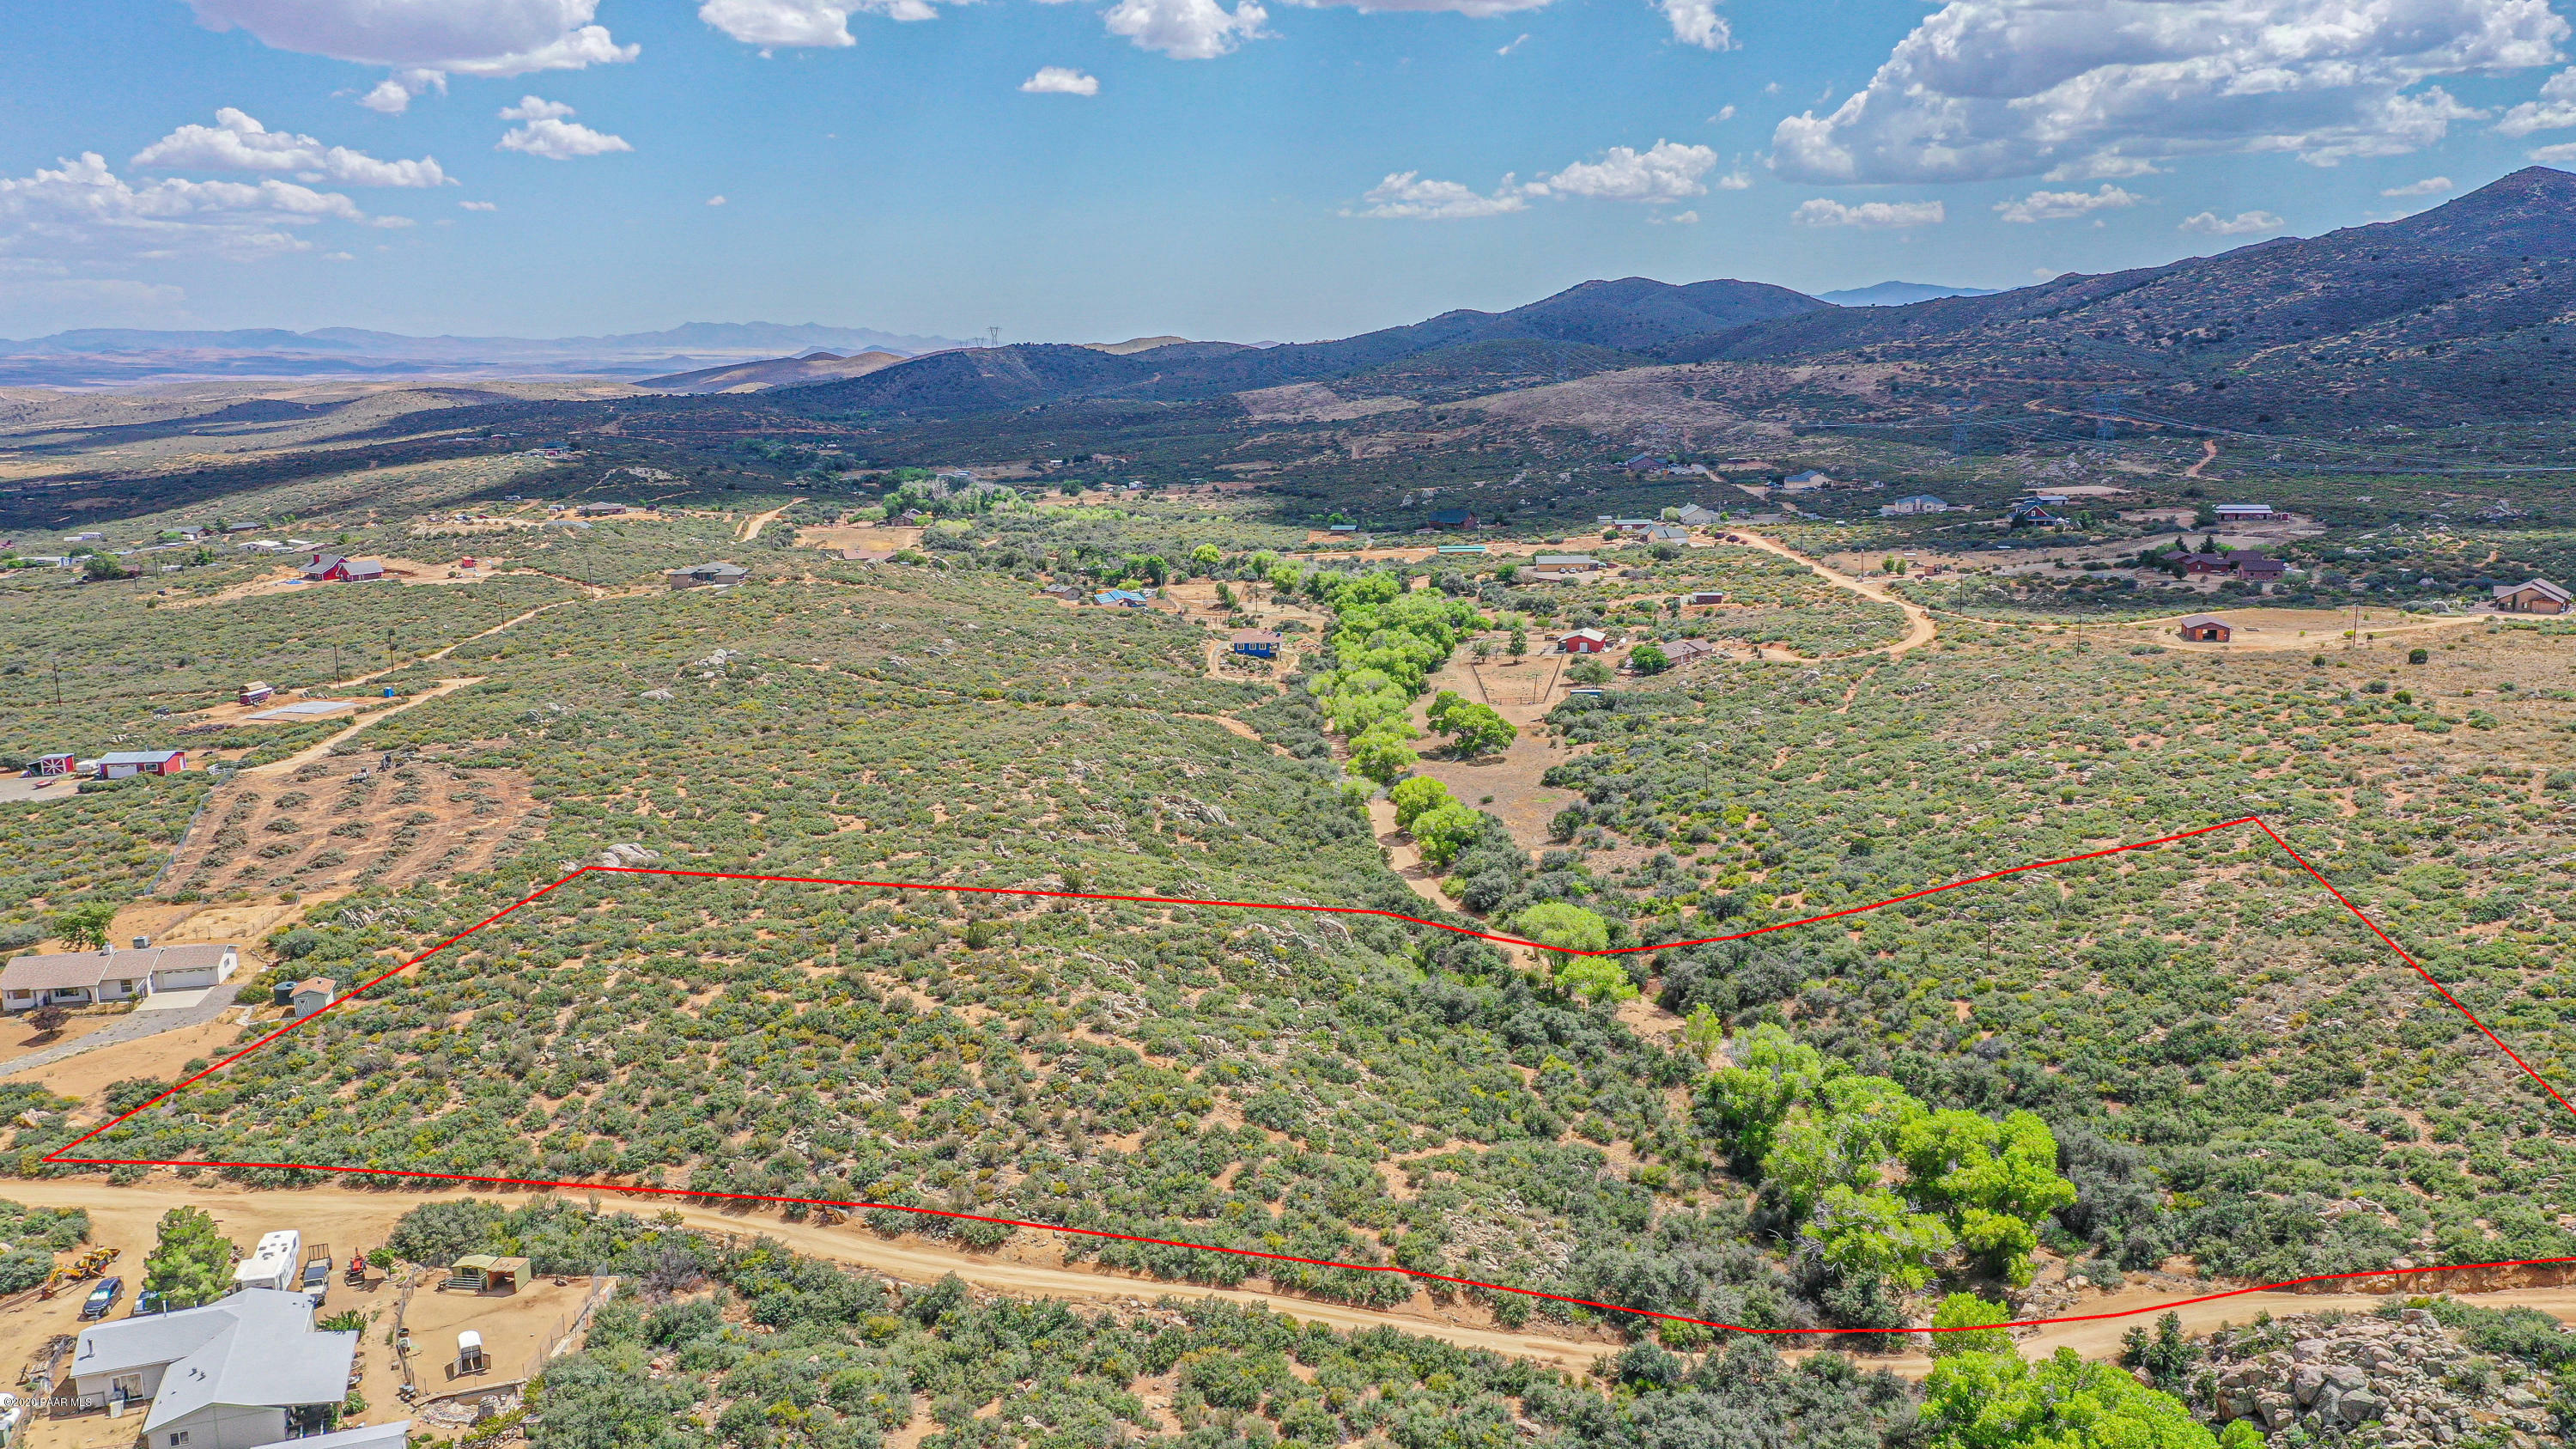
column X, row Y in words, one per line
column 330, row 568
column 1583, row 641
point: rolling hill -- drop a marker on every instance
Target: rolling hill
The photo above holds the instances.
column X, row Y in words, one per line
column 1623, row 316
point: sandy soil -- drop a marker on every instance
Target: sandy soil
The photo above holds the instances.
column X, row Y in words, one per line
column 2259, row 630
column 515, row 1326
column 17, row 1038
column 455, row 823
column 840, row 536
column 161, row 1058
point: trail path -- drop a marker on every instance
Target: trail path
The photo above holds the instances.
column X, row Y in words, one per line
column 337, row 1214
column 319, row 748
column 758, row 521
column 2208, row 455
column 1920, row 630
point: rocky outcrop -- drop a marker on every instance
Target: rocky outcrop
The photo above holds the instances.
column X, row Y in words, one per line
column 2391, row 1379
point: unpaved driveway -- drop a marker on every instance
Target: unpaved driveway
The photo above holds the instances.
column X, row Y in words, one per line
column 1920, row 630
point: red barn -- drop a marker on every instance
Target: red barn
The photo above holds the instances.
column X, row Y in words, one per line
column 1583, row 641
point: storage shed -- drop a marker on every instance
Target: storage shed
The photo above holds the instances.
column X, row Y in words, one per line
column 2206, row 629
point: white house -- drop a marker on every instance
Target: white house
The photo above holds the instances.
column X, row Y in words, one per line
column 2244, row 512
column 239, row 1373
column 85, row 978
column 1913, row 504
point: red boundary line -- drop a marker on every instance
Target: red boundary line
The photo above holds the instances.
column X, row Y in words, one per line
column 58, row 1156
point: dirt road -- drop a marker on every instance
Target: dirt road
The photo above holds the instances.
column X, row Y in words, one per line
column 1919, row 631
column 124, row 1217
column 320, row 748
column 758, row 521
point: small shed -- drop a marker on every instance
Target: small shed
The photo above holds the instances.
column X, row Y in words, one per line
column 1259, row 643
column 118, row 764
column 487, row 1273
column 2207, row 629
column 256, row 692
column 2539, row 596
column 1703, row 597
column 470, row 1357
column 311, row 996
column 1583, row 641
column 61, row 762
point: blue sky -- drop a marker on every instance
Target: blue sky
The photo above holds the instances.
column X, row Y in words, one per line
column 1096, row 169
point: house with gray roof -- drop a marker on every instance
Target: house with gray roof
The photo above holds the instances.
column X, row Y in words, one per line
column 244, row 1371
column 85, row 978
column 706, row 573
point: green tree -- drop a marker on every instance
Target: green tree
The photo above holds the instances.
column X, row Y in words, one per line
column 1476, row 729
column 1869, row 1234
column 1414, row 796
column 1649, row 659
column 1520, row 641
column 1564, row 926
column 1443, row 831
column 1588, row 671
column 192, row 1262
column 1379, row 753
column 1596, row 979
column 2169, row 1356
column 1704, row 1031
column 1968, row 1314
column 84, row 928
column 1997, row 1401
column 1745, row 1104
column 100, row 567
column 1842, row 1138
column 1206, row 556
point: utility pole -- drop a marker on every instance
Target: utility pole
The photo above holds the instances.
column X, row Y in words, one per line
column 389, row 648
column 58, row 681
column 335, row 663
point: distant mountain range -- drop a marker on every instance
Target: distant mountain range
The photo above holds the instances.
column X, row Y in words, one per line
column 114, row 355
column 1897, row 294
column 1585, row 328
column 2447, row 315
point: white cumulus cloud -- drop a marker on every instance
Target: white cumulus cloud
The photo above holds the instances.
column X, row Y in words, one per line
column 1406, row 196
column 2429, row 186
column 1823, row 212
column 2066, row 205
column 82, row 210
column 804, row 22
column 543, row 131
column 237, row 142
column 716, row 200
column 1696, row 22
column 1186, row 29
column 478, row 206
column 1061, row 80
column 1984, row 89
column 1665, row 171
column 2558, row 155
column 423, row 41
column 2554, row 111
column 2243, row 223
